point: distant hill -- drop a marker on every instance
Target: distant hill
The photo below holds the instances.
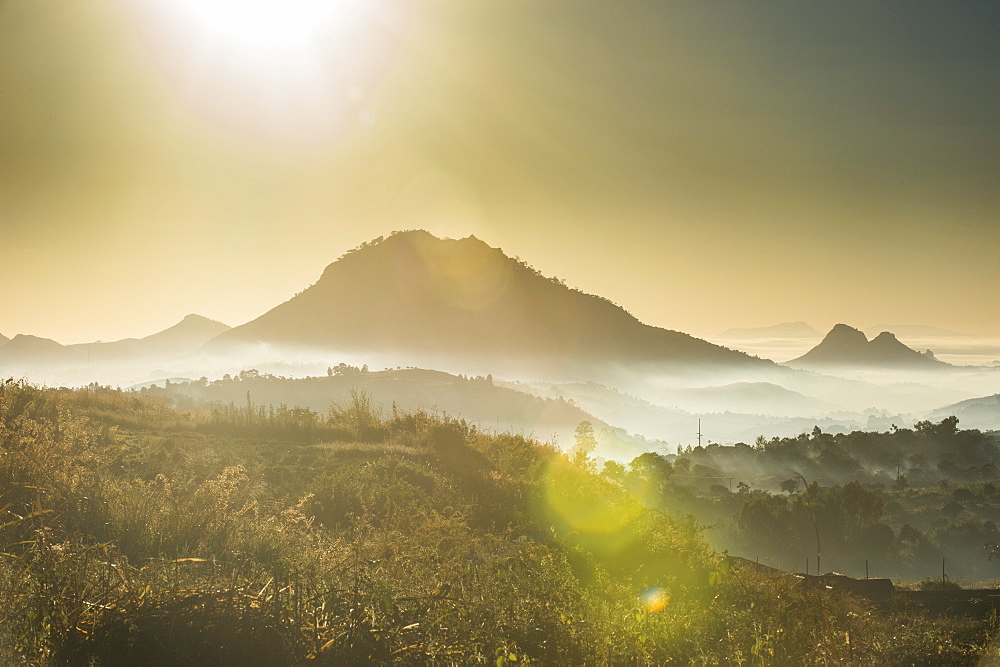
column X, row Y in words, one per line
column 3, row 340
column 783, row 330
column 24, row 352
column 761, row 398
column 477, row 400
column 847, row 347
column 442, row 298
column 652, row 419
column 186, row 336
column 24, row 348
column 981, row 413
column 914, row 331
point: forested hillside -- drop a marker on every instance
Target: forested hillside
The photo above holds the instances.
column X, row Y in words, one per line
column 897, row 502
column 133, row 533
column 461, row 300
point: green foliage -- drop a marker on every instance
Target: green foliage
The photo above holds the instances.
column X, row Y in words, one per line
column 132, row 533
column 928, row 584
column 585, row 443
column 361, row 418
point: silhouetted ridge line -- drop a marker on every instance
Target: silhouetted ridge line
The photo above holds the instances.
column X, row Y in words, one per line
column 783, row 330
column 185, row 337
column 413, row 292
column 846, row 346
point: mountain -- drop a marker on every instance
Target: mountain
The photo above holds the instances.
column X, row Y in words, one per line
column 3, row 340
column 71, row 363
column 847, row 347
column 982, row 413
column 25, row 349
column 783, row 330
column 437, row 299
column 915, row 331
column 186, row 336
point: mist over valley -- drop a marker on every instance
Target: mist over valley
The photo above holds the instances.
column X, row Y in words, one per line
column 460, row 307
column 685, row 350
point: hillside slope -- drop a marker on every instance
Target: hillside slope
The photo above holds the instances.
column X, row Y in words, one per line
column 416, row 293
column 981, row 413
column 493, row 408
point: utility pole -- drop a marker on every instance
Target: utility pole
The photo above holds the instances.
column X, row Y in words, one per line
column 699, row 433
column 812, row 514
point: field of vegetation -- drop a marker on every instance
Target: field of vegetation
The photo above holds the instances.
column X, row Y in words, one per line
column 899, row 501
column 135, row 533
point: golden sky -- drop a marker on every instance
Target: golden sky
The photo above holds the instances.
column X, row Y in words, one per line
column 705, row 165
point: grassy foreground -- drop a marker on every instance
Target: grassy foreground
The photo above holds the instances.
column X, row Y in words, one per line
column 132, row 533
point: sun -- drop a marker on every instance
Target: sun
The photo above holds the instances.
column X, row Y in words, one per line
column 295, row 70
column 255, row 28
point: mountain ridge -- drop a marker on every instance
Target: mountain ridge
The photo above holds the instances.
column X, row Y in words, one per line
column 846, row 347
column 915, row 331
column 188, row 335
column 491, row 407
column 416, row 293
column 982, row 413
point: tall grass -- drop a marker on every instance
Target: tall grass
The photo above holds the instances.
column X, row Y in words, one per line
column 135, row 534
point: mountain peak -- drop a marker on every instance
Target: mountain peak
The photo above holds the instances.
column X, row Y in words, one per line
column 27, row 346
column 886, row 337
column 28, row 339
column 412, row 248
column 186, row 336
column 442, row 298
column 845, row 346
column 191, row 322
column 194, row 318
column 843, row 332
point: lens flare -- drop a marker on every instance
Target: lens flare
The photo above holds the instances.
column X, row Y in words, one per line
column 586, row 507
column 654, row 600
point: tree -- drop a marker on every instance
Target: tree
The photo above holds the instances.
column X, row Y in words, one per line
column 952, row 509
column 614, row 470
column 648, row 475
column 789, row 485
column 586, row 442
column 963, row 495
column 652, row 466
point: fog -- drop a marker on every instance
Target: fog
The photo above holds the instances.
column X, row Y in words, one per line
column 956, row 349
column 648, row 405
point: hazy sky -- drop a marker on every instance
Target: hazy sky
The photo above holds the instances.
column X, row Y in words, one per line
column 704, row 164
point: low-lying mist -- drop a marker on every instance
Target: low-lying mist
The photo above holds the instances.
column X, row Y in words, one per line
column 661, row 404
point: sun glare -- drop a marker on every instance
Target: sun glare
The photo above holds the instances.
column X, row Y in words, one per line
column 265, row 27
column 297, row 70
